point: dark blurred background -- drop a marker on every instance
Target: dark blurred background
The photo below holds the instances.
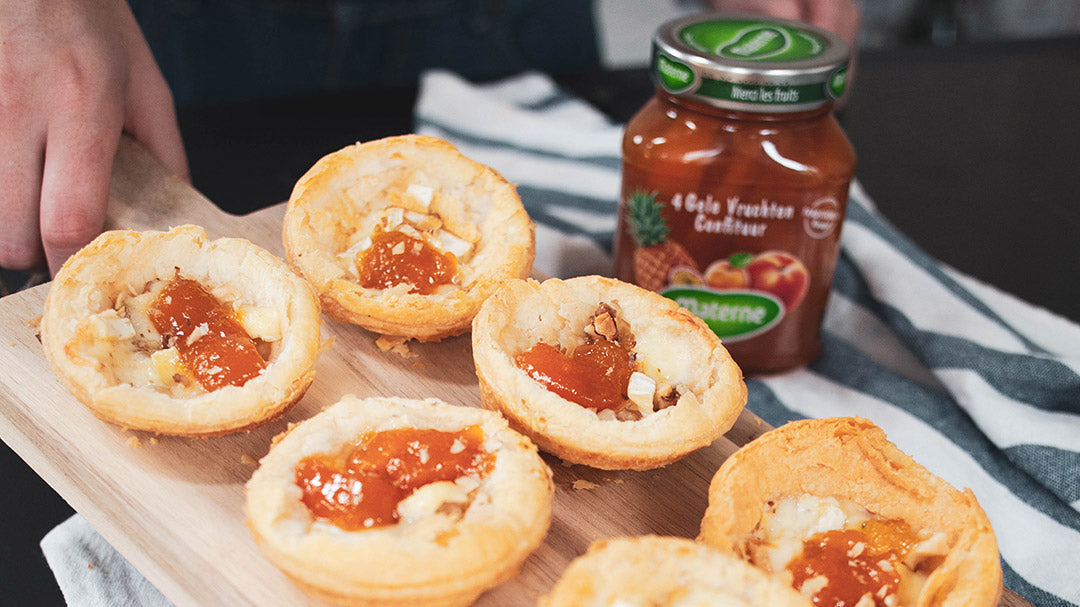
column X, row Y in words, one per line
column 962, row 114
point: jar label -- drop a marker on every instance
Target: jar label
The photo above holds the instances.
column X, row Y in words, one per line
column 741, row 259
column 732, row 315
column 677, row 77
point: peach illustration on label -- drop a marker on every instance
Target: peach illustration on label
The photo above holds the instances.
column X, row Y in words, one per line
column 729, row 273
column 781, row 274
column 655, row 255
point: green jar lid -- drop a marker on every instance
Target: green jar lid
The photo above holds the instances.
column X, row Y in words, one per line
column 750, row 63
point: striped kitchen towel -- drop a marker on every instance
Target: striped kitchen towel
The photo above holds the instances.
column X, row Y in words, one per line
column 932, row 356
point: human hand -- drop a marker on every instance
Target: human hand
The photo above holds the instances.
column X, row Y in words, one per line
column 840, row 17
column 74, row 74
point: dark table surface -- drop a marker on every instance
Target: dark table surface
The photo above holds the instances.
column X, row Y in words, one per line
column 972, row 151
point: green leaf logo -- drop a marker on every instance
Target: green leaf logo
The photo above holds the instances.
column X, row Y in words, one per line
column 733, row 315
column 752, row 40
column 756, row 43
column 838, row 82
column 741, row 260
column 673, row 75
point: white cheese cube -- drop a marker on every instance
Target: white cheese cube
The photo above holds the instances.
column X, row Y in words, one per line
column 452, row 244
column 109, row 325
column 167, row 370
column 394, row 217
column 260, row 322
column 640, row 390
column 422, row 193
column 426, row 500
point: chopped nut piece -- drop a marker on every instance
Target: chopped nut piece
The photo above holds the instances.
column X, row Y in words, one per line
column 603, row 324
column 666, row 396
column 606, row 415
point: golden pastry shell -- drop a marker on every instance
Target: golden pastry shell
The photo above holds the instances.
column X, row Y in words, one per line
column 851, row 459
column 402, row 564
column 659, row 570
column 122, row 262
column 344, row 189
column 671, row 341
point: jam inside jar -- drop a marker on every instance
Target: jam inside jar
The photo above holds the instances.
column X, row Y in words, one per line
column 735, row 182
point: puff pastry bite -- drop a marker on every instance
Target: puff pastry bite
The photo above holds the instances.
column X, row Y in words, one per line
column 843, row 515
column 386, row 501
column 177, row 334
column 405, row 236
column 604, row 373
column 655, row 570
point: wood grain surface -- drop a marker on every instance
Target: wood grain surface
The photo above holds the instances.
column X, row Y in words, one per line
column 174, row 507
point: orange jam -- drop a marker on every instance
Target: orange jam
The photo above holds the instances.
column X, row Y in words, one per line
column 595, row 376
column 361, row 487
column 395, row 258
column 851, row 560
column 222, row 353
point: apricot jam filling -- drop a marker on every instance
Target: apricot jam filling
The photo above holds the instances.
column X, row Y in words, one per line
column 211, row 342
column 361, row 487
column 843, row 566
column 595, row 375
column 397, row 258
column 600, row 374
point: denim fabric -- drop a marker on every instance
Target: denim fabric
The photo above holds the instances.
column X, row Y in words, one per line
column 220, row 51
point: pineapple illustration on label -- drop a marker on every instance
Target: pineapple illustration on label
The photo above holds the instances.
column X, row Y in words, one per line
column 657, row 260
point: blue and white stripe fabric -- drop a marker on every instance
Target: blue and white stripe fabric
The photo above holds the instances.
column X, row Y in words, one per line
column 978, row 386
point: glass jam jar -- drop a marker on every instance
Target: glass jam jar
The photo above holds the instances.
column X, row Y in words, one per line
column 735, row 179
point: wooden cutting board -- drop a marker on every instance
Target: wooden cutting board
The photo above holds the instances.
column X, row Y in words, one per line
column 174, row 507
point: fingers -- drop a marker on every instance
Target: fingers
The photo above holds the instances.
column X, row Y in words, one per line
column 79, row 150
column 150, row 113
column 20, row 188
column 842, row 17
column 22, row 141
column 784, row 9
column 151, row 119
